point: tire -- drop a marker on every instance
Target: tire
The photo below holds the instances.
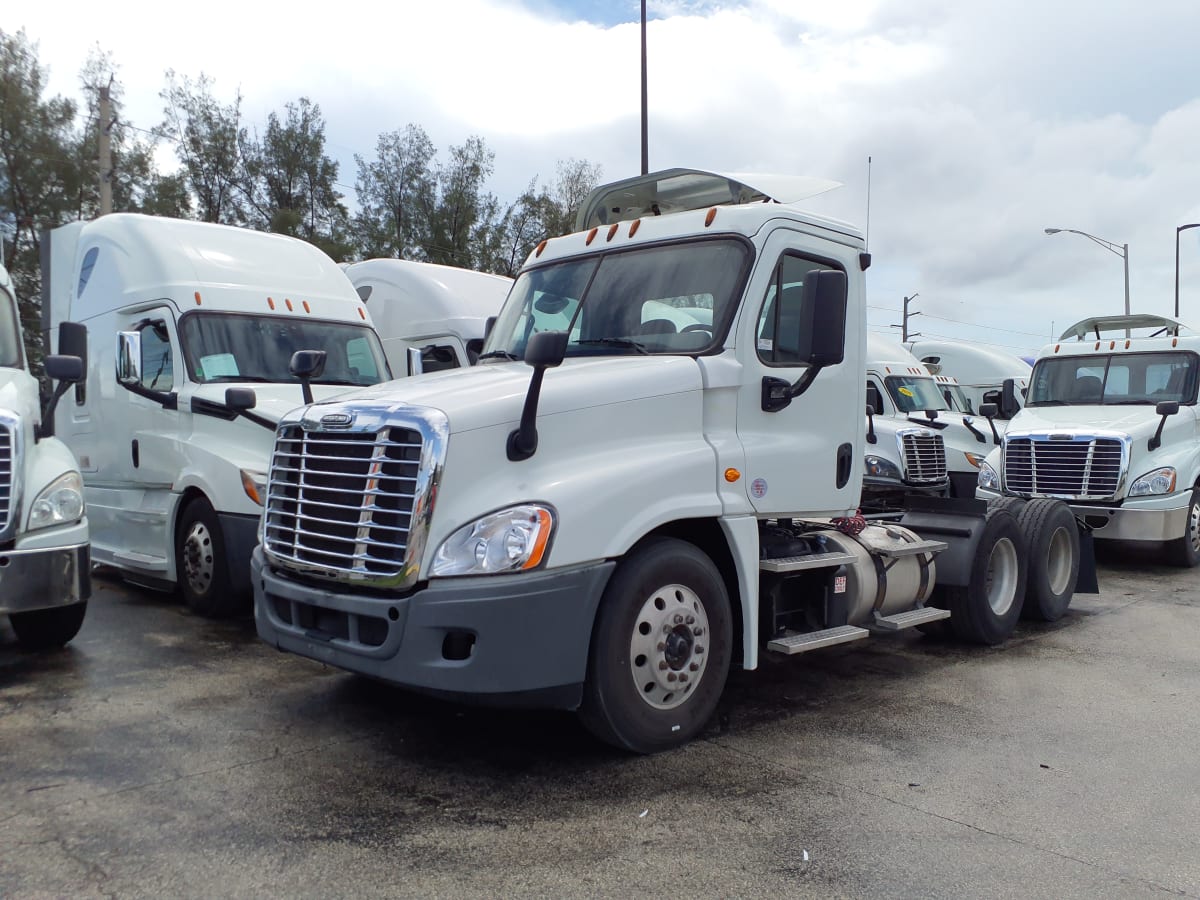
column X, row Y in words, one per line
column 1013, row 504
column 45, row 629
column 1185, row 551
column 660, row 649
column 201, row 565
column 1052, row 542
column 987, row 609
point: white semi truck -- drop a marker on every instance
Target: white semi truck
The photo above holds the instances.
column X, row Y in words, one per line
column 1110, row 427
column 192, row 327
column 615, row 505
column 45, row 576
column 984, row 374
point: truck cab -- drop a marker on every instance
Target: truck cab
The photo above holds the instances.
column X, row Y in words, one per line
column 981, row 373
column 439, row 312
column 1110, row 427
column 45, row 576
column 192, row 328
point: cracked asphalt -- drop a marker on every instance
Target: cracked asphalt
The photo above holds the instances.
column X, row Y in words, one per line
column 164, row 755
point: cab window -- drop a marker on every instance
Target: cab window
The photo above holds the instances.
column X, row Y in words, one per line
column 777, row 334
column 157, row 358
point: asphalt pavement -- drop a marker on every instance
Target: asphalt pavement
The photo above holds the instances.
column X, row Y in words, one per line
column 161, row 754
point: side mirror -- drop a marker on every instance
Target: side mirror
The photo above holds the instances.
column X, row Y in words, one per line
column 66, row 368
column 240, row 399
column 488, row 326
column 988, row 409
column 1165, row 408
column 822, row 324
column 415, row 364
column 72, row 341
column 545, row 350
column 129, row 357
column 1009, row 406
column 992, row 397
column 307, row 365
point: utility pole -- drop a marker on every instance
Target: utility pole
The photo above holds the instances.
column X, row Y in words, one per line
column 907, row 316
column 106, row 169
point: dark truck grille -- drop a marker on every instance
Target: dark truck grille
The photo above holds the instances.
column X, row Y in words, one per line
column 7, row 464
column 341, row 503
column 1085, row 468
column 924, row 458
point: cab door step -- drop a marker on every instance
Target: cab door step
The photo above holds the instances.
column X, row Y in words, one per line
column 814, row 640
column 811, row 561
column 912, row 549
column 909, row 619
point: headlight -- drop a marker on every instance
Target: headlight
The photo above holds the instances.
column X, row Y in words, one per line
column 510, row 540
column 1160, row 481
column 255, row 485
column 974, row 459
column 988, row 479
column 878, row 467
column 61, row 501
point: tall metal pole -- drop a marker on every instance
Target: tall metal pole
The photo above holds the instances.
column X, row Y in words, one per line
column 1178, row 230
column 1125, row 253
column 645, row 121
column 106, row 205
column 904, row 322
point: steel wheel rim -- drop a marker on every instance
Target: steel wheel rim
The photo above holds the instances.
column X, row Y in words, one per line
column 1194, row 526
column 668, row 649
column 198, row 566
column 1058, row 561
column 1000, row 580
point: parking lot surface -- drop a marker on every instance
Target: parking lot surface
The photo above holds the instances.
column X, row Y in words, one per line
column 161, row 754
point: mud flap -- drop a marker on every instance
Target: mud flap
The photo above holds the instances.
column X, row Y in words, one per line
column 1087, row 583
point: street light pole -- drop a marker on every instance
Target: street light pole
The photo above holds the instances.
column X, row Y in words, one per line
column 645, row 111
column 1123, row 252
column 1181, row 228
column 904, row 325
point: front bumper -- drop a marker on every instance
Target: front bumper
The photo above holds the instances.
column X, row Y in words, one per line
column 516, row 640
column 44, row 579
column 1149, row 519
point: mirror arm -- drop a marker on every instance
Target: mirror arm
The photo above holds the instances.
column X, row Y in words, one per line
column 995, row 433
column 45, row 428
column 1155, row 442
column 522, row 443
column 979, row 435
column 871, row 436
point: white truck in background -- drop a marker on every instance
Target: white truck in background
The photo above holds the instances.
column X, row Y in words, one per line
column 985, row 374
column 1110, row 427
column 45, row 576
column 606, row 514
column 191, row 328
column 439, row 312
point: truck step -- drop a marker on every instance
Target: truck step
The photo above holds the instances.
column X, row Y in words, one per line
column 811, row 561
column 814, row 640
column 912, row 549
column 144, row 561
column 910, row 618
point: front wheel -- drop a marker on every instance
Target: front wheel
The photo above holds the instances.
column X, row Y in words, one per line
column 201, row 565
column 44, row 629
column 1185, row 551
column 660, row 649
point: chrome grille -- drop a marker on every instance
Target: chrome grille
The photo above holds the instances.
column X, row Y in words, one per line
column 1083, row 468
column 341, row 503
column 7, row 465
column 924, row 457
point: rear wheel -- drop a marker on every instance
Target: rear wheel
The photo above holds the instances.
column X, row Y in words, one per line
column 986, row 610
column 1053, row 542
column 201, row 565
column 1185, row 551
column 43, row 629
column 660, row 649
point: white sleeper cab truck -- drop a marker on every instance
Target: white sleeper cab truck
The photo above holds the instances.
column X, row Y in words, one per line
column 45, row 576
column 618, row 502
column 192, row 328
column 984, row 374
column 936, row 442
column 437, row 312
column 1110, row 427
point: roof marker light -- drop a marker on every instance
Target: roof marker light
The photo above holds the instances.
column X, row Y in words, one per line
column 270, row 303
column 541, row 247
column 591, row 237
column 612, row 230
column 197, row 298
column 306, row 307
column 1112, row 345
column 1056, row 346
column 288, row 303
column 708, row 219
column 634, row 226
column 1097, row 345
column 362, row 314
column 1127, row 344
column 1174, row 342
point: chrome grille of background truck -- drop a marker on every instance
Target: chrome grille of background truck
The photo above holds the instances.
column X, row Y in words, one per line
column 352, row 505
column 10, row 460
column 1083, row 467
column 924, row 457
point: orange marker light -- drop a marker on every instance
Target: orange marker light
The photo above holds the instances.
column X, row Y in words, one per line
column 289, row 303
column 540, row 248
column 306, row 308
column 197, row 298
column 1112, row 345
column 1174, row 342
column 539, row 543
column 1127, row 345
column 708, row 219
column 1056, row 346
column 612, row 231
column 362, row 314
column 591, row 237
column 634, row 226
column 270, row 303
column 732, row 475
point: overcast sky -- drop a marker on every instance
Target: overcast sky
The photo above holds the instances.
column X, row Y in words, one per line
column 986, row 122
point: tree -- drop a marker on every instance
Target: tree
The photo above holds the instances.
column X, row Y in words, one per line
column 395, row 193
column 208, row 139
column 463, row 221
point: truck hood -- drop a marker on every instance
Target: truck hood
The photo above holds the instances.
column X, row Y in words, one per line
column 274, row 400
column 1135, row 421
column 494, row 393
column 19, row 393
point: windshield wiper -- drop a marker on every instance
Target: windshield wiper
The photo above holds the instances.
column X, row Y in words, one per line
column 497, row 354
column 1129, row 403
column 618, row 342
column 1050, row 403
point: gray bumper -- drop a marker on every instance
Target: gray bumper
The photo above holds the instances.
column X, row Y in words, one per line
column 43, row 579
column 1125, row 524
column 519, row 640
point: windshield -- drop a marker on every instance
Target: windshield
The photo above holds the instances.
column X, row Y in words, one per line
column 10, row 334
column 911, row 393
column 955, row 398
column 223, row 347
column 676, row 298
column 1120, row 379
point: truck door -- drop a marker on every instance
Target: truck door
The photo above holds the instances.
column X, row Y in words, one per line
column 800, row 459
